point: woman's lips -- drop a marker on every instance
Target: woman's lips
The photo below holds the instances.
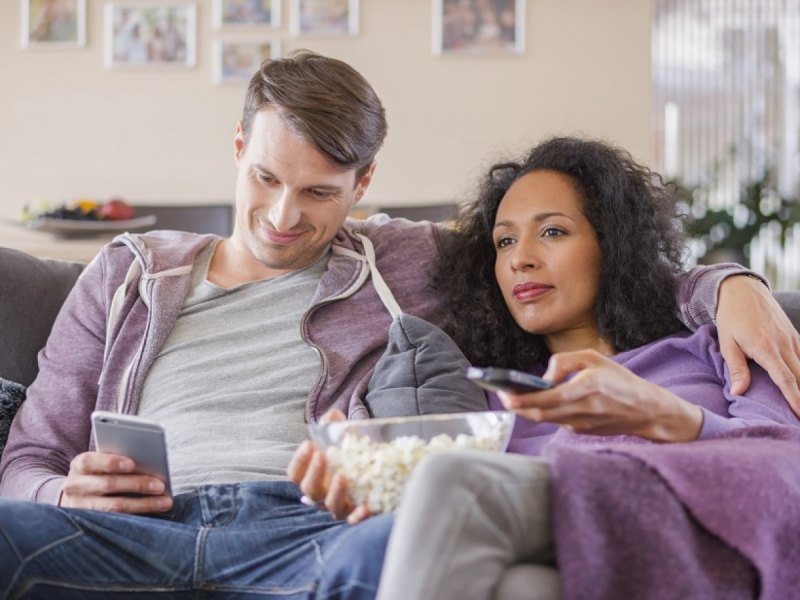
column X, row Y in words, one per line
column 530, row 291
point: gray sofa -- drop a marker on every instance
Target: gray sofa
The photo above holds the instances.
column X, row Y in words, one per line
column 33, row 289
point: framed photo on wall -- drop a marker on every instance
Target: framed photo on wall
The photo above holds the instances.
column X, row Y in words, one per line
column 150, row 34
column 237, row 13
column 50, row 23
column 324, row 17
column 235, row 61
column 478, row 27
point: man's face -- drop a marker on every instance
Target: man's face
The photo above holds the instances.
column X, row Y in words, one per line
column 290, row 199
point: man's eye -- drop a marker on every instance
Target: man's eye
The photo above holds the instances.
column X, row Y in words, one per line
column 264, row 178
column 321, row 194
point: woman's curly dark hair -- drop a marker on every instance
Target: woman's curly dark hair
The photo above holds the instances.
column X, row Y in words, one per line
column 641, row 241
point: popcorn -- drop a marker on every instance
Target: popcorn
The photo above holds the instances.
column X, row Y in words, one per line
column 377, row 471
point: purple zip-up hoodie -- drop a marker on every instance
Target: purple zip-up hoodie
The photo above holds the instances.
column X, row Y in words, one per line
column 93, row 362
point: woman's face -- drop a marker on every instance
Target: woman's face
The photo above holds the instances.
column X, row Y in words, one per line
column 548, row 261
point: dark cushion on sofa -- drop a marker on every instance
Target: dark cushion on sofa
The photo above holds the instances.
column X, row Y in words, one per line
column 11, row 396
column 32, row 291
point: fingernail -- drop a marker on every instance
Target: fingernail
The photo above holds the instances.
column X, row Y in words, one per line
column 126, row 464
column 155, row 486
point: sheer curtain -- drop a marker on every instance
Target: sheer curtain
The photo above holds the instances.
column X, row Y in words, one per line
column 726, row 83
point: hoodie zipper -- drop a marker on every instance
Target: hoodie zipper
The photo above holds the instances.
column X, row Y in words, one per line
column 123, row 390
column 125, row 403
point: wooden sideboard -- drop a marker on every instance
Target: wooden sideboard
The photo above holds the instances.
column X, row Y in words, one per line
column 47, row 245
column 201, row 218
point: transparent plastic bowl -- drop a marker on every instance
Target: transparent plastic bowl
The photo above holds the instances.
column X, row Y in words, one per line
column 425, row 427
column 377, row 456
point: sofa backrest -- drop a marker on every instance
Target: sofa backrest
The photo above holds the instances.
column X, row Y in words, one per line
column 32, row 291
column 790, row 302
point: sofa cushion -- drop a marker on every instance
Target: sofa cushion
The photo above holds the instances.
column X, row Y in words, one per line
column 32, row 292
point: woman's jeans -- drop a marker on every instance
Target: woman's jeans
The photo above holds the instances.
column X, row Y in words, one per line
column 252, row 540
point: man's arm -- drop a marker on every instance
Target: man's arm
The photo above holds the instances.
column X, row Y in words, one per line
column 47, row 459
column 750, row 322
column 52, row 425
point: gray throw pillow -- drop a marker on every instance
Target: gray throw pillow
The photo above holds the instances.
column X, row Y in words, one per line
column 11, row 396
column 421, row 372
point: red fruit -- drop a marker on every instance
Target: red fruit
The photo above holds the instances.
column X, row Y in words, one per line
column 116, row 210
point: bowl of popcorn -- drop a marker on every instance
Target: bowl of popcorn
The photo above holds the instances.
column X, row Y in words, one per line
column 377, row 456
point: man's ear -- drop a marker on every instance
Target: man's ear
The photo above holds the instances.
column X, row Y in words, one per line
column 238, row 142
column 363, row 183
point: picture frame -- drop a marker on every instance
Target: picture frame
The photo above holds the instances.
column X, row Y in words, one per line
column 478, row 27
column 325, row 18
column 53, row 23
column 246, row 13
column 235, row 61
column 150, row 34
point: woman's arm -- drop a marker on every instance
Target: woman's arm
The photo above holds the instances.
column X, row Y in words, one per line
column 598, row 396
column 677, row 396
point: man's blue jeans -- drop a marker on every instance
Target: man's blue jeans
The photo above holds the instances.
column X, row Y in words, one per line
column 252, row 540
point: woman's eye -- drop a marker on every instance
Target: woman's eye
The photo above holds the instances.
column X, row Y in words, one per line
column 503, row 242
column 552, row 232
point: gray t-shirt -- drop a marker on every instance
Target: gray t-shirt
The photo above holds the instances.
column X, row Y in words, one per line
column 231, row 382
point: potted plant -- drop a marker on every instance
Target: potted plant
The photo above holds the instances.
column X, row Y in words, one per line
column 725, row 234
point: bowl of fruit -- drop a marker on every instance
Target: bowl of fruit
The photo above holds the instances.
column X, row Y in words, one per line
column 87, row 217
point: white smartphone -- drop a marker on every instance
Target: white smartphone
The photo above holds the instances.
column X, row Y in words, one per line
column 142, row 441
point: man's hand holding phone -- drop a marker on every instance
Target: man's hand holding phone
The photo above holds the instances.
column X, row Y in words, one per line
column 110, row 483
column 129, row 473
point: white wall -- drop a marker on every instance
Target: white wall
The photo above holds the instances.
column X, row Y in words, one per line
column 70, row 128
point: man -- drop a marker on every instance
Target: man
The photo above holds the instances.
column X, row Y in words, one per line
column 232, row 345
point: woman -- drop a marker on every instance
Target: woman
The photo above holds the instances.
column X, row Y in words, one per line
column 566, row 268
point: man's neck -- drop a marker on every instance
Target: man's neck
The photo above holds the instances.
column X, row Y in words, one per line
column 229, row 268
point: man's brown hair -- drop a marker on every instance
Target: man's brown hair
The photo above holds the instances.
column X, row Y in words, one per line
column 326, row 101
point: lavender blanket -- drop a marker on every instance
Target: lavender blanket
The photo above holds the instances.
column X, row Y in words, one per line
column 713, row 519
